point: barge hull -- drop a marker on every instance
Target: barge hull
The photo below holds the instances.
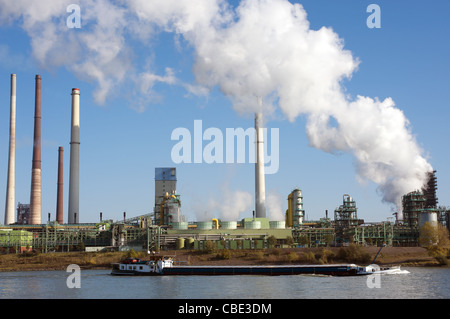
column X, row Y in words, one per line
column 328, row 270
column 263, row 271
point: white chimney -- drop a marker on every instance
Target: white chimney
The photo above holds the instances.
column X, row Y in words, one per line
column 74, row 177
column 260, row 184
column 10, row 187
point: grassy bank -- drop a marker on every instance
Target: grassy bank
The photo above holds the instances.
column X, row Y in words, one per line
column 406, row 256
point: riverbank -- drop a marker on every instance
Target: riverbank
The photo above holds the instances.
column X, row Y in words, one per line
column 405, row 256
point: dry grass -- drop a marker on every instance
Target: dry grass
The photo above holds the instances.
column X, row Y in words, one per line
column 57, row 261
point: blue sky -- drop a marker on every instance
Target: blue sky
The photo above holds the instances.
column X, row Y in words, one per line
column 122, row 142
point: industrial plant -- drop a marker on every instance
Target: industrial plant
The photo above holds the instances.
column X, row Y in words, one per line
column 167, row 228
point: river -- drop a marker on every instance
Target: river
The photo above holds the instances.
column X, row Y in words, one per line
column 421, row 282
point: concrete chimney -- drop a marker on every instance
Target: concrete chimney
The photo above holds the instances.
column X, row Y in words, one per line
column 35, row 196
column 10, row 185
column 59, row 195
column 260, row 184
column 74, row 178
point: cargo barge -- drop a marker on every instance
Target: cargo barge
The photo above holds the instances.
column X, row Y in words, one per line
column 165, row 267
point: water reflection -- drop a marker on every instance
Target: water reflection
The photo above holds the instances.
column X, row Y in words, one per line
column 420, row 283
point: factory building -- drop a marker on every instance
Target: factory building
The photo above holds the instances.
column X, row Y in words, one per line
column 166, row 227
column 420, row 207
column 23, row 213
column 167, row 202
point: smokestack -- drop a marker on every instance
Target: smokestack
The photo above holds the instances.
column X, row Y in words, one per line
column 35, row 196
column 74, row 178
column 10, row 185
column 260, row 184
column 59, row 195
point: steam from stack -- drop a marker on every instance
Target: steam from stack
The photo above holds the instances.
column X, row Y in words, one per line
column 10, row 187
column 260, row 48
column 35, row 195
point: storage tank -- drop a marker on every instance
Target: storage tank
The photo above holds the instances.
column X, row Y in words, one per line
column 204, row 225
column 180, row 225
column 277, row 224
column 189, row 243
column 252, row 224
column 228, row 225
column 180, row 243
column 429, row 216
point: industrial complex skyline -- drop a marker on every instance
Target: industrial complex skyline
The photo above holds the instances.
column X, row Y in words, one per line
column 358, row 109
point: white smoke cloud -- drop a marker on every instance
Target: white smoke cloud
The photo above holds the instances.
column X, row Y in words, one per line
column 229, row 205
column 262, row 48
column 274, row 206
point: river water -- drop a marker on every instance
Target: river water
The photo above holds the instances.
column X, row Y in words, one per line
column 423, row 283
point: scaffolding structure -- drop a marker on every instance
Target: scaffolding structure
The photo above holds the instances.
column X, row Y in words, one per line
column 405, row 236
column 54, row 237
column 314, row 237
column 145, row 238
column 346, row 215
column 413, row 204
column 345, row 218
column 429, row 191
column 373, row 235
column 15, row 240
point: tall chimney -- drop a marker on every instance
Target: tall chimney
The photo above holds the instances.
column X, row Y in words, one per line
column 35, row 196
column 10, row 186
column 74, row 178
column 59, row 195
column 260, row 184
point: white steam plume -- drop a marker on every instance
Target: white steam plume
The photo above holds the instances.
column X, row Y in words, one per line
column 230, row 205
column 274, row 205
column 260, row 48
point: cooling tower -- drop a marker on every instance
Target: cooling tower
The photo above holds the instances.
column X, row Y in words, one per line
column 35, row 196
column 10, row 185
column 74, row 177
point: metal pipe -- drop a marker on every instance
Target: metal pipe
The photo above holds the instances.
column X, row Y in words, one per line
column 59, row 195
column 74, row 178
column 260, row 184
column 10, row 185
column 35, row 196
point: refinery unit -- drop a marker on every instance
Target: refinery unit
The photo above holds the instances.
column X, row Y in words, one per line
column 166, row 227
